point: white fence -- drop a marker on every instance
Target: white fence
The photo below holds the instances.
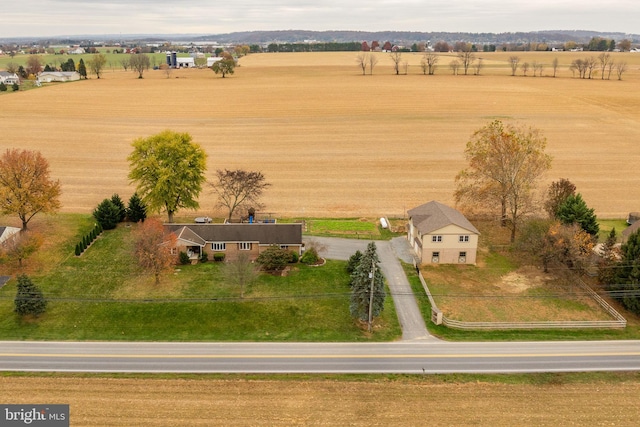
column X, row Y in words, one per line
column 619, row 322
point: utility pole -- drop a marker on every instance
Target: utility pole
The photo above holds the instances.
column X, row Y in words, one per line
column 372, row 276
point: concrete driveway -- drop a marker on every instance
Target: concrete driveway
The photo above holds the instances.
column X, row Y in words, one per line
column 409, row 316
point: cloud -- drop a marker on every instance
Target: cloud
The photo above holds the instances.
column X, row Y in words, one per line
column 56, row 17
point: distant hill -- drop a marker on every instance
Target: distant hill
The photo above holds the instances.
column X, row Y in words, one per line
column 299, row 36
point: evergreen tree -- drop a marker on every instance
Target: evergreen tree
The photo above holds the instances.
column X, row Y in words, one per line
column 575, row 210
column 3, row 87
column 137, row 210
column 107, row 214
column 627, row 280
column 47, row 68
column 353, row 262
column 82, row 69
column 78, row 250
column 361, row 286
column 15, row 87
column 29, row 299
column 122, row 210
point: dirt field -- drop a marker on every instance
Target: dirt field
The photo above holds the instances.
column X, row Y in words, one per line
column 145, row 402
column 331, row 141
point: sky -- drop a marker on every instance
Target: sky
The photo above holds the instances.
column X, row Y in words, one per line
column 44, row 18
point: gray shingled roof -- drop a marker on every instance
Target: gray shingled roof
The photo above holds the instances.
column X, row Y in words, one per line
column 434, row 215
column 266, row 234
column 631, row 229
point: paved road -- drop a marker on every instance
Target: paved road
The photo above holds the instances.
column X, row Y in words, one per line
column 409, row 316
column 396, row 357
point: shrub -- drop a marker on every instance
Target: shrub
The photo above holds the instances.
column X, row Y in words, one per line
column 294, row 257
column 218, row 256
column 310, row 257
column 15, row 87
column 204, row 257
column 107, row 214
column 183, row 258
column 3, row 87
column 78, row 250
column 274, row 258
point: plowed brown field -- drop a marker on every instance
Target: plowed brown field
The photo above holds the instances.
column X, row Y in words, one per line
column 147, row 402
column 331, row 141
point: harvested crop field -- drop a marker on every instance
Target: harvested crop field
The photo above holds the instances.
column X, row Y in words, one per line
column 171, row 402
column 331, row 141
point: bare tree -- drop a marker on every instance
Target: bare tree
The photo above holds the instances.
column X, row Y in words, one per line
column 467, row 58
column 405, row 67
column 591, row 65
column 620, row 67
column 477, row 67
column 429, row 62
column 537, row 68
column 580, row 66
column 126, row 63
column 524, row 67
column 240, row 272
column 239, row 188
column 554, row 65
column 454, row 66
column 514, row 61
column 604, row 59
column 167, row 69
column 12, row 67
column 396, row 58
column 373, row 60
column 34, row 65
column 362, row 59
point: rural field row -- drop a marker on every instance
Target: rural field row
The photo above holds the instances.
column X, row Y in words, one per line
column 330, row 141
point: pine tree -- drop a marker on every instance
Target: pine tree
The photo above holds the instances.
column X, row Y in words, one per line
column 575, row 210
column 29, row 299
column 107, row 214
column 3, row 87
column 361, row 286
column 136, row 211
column 353, row 262
column 627, row 281
column 122, row 210
column 82, row 69
column 78, row 249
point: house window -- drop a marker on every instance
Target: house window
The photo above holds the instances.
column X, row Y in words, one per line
column 435, row 257
column 218, row 246
column 464, row 239
column 436, row 238
column 244, row 246
column 174, row 251
column 285, row 247
column 462, row 257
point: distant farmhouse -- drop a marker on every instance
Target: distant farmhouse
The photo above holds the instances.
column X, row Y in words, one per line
column 9, row 78
column 234, row 239
column 440, row 234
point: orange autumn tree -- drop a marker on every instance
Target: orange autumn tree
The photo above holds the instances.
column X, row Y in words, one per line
column 25, row 186
column 153, row 248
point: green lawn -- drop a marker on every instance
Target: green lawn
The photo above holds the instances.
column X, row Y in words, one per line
column 103, row 295
column 606, row 225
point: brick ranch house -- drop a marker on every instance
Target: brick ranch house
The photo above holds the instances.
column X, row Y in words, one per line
column 442, row 235
column 233, row 239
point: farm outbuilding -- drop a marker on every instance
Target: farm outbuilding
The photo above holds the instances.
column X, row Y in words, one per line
column 58, row 76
